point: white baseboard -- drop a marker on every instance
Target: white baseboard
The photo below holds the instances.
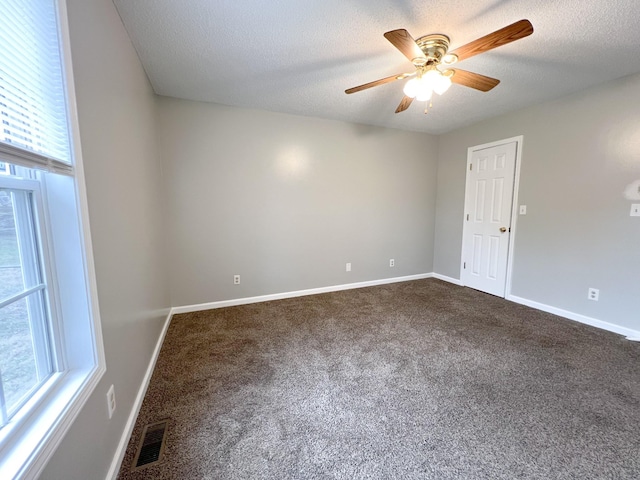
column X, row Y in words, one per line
column 632, row 335
column 137, row 404
column 298, row 293
column 444, row 278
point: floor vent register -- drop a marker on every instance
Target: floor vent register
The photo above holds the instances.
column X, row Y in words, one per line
column 151, row 446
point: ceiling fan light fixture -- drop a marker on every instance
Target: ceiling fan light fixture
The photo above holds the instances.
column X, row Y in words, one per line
column 437, row 81
column 441, row 84
column 449, row 59
column 424, row 95
column 422, row 87
column 412, row 87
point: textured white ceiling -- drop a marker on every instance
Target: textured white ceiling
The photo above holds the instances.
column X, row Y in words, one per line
column 298, row 57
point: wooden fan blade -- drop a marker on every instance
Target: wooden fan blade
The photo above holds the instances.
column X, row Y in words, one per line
column 404, row 104
column 505, row 35
column 403, row 41
column 473, row 80
column 382, row 81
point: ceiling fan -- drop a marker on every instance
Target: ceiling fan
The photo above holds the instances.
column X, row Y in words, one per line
column 430, row 52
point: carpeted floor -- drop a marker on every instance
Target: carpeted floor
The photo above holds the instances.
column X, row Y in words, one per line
column 413, row 380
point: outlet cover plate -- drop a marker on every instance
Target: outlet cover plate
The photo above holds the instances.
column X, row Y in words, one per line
column 111, row 401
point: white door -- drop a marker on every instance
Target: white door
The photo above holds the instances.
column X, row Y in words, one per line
column 487, row 223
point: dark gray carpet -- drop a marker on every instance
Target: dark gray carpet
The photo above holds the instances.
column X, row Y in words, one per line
column 414, row 380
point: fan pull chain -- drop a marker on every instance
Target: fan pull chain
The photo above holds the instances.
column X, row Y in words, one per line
column 426, row 108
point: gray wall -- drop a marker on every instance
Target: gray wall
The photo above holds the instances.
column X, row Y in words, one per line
column 286, row 201
column 117, row 113
column 579, row 155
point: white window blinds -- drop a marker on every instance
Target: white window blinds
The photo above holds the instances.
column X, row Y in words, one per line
column 33, row 117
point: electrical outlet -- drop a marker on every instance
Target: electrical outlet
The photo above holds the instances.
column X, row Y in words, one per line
column 348, row 267
column 635, row 210
column 236, row 279
column 593, row 294
column 111, row 401
column 392, row 263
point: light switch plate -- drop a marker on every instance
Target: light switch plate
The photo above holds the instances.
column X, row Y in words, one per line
column 635, row 210
column 523, row 209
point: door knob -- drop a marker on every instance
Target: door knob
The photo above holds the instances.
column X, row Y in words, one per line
column 503, row 229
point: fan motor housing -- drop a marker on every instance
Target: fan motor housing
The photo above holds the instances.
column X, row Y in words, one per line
column 434, row 46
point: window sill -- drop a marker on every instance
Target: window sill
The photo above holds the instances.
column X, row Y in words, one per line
column 32, row 438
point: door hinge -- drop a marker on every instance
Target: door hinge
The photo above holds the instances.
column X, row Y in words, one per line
column 470, row 166
column 467, row 217
column 464, row 265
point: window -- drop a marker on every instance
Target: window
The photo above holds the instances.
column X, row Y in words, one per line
column 51, row 354
column 25, row 350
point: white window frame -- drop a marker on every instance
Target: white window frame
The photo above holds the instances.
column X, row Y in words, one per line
column 35, row 262
column 34, row 433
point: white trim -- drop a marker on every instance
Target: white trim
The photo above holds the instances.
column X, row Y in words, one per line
column 444, row 278
column 514, row 212
column 298, row 293
column 116, row 463
column 633, row 335
column 81, row 189
column 83, row 207
column 54, row 435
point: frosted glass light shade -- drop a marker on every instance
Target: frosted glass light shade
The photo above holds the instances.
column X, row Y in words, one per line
column 421, row 88
column 411, row 87
column 442, row 84
column 432, row 77
column 424, row 95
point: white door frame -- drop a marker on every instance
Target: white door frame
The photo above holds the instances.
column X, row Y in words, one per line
column 514, row 207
